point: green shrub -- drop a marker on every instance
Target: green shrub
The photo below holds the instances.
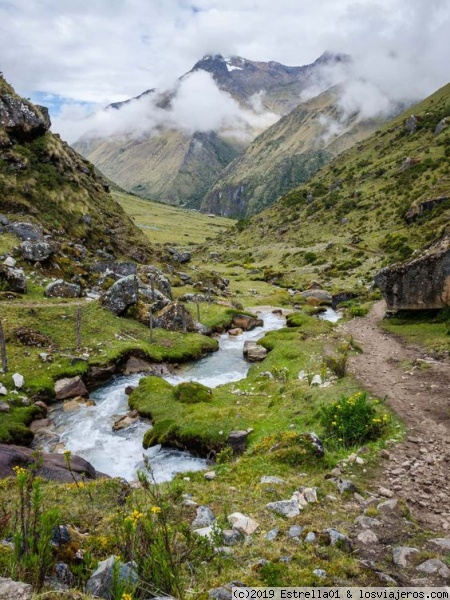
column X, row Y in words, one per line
column 337, row 363
column 354, row 420
column 357, row 310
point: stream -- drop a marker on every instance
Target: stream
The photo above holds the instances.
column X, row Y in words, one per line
column 87, row 431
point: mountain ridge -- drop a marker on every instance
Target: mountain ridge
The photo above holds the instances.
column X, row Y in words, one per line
column 157, row 165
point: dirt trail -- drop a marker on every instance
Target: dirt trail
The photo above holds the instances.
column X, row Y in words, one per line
column 418, row 469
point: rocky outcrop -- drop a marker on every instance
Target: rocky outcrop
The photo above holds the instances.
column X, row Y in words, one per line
column 419, row 284
column 424, row 206
column 70, row 387
column 15, row 279
column 175, row 317
column 62, row 289
column 35, row 251
column 121, row 295
column 151, row 274
column 153, row 297
column 54, row 466
column 22, row 120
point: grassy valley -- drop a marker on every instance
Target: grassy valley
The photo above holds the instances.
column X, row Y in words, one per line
column 163, row 223
column 285, row 155
column 376, row 204
column 330, row 480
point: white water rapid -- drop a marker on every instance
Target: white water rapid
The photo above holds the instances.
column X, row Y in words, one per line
column 88, row 432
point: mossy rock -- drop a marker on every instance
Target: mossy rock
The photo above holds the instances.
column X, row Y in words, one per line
column 291, row 448
column 149, row 388
column 191, row 392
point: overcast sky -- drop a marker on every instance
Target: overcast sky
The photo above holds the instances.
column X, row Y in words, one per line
column 76, row 55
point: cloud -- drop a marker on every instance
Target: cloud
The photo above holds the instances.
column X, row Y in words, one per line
column 100, row 52
column 198, row 105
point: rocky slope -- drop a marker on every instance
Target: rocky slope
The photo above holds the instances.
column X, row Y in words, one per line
column 286, row 155
column 377, row 204
column 174, row 166
column 42, row 177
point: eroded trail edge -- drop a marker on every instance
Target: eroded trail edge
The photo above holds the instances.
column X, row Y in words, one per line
column 418, row 469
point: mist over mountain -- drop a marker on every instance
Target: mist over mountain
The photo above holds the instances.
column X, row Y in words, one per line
column 172, row 145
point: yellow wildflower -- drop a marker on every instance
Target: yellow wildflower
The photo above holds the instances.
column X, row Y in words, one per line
column 127, row 596
column 155, row 510
column 19, row 471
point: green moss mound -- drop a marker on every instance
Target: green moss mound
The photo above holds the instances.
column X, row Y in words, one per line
column 291, row 448
column 191, row 392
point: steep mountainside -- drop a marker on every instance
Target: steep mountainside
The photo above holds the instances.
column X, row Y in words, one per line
column 43, row 178
column 285, row 155
column 172, row 167
column 177, row 167
column 375, row 205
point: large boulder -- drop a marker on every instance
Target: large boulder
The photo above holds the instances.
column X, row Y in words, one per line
column 121, row 295
column 180, row 256
column 154, row 297
column 321, row 296
column 15, row 590
column 175, row 317
column 151, row 274
column 35, row 251
column 22, row 120
column 102, row 582
column 70, row 387
column 54, row 467
column 246, row 322
column 419, row 284
column 114, row 268
column 26, row 231
column 15, row 279
column 62, row 289
column 253, row 352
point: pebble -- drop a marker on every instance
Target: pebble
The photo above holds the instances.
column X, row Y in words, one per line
column 242, row 523
column 367, row 537
column 320, row 573
column 272, row 480
column 295, row 531
column 272, row 534
column 210, row 475
column 434, row 565
column 401, row 553
column 385, row 492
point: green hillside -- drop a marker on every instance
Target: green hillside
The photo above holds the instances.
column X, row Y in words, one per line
column 374, row 205
column 43, row 178
column 286, row 155
column 170, row 166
